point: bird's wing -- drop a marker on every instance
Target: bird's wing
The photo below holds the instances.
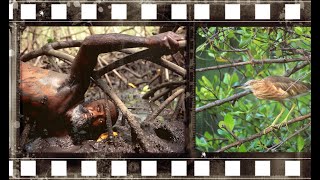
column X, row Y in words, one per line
column 291, row 86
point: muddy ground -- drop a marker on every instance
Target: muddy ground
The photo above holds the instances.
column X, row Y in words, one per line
column 164, row 134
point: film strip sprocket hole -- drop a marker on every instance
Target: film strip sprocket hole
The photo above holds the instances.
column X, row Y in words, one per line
column 190, row 15
column 144, row 168
column 214, row 11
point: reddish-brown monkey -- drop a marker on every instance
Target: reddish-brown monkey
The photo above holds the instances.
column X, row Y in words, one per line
column 55, row 100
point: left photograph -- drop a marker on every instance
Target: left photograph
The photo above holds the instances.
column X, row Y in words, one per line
column 102, row 89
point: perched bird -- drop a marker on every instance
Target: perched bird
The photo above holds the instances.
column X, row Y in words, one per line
column 277, row 88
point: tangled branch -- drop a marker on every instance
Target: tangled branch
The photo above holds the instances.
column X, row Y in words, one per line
column 164, row 104
column 135, row 126
column 156, row 88
column 152, row 55
column 264, row 132
column 289, row 137
column 50, row 46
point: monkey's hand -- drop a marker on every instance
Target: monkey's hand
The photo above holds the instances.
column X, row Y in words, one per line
column 168, row 40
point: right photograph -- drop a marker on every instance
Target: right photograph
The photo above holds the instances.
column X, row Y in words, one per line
column 253, row 89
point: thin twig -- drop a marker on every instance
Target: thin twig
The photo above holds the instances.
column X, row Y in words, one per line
column 178, row 107
column 154, row 78
column 163, row 93
column 222, row 101
column 289, row 137
column 123, row 79
column 164, row 104
column 134, row 124
column 264, row 132
column 289, row 72
column 291, row 31
column 134, row 73
column 255, row 61
column 106, row 75
column 44, row 49
column 152, row 55
column 230, row 132
column 166, row 84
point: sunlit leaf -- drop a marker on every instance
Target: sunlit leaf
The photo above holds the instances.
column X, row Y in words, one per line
column 226, row 78
column 206, row 82
column 221, row 59
column 208, row 136
column 300, row 143
column 242, row 148
column 222, row 124
column 201, row 47
column 298, row 30
column 229, row 121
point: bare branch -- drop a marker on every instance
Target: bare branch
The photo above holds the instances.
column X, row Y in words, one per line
column 291, row 31
column 167, row 84
column 63, row 56
column 106, row 75
column 134, row 73
column 163, row 93
column 222, row 101
column 134, row 124
column 152, row 55
column 180, row 104
column 44, row 49
column 264, row 132
column 230, row 132
column 289, row 72
column 254, row 61
column 164, row 104
column 289, row 137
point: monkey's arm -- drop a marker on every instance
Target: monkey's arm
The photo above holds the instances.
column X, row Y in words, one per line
column 92, row 46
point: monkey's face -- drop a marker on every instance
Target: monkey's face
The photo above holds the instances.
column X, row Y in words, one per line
column 89, row 118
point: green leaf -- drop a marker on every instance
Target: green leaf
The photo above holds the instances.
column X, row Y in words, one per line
column 211, row 54
column 221, row 132
column 300, row 143
column 278, row 53
column 212, row 30
column 201, row 33
column 242, row 148
column 201, row 141
column 50, row 40
column 226, row 78
column 298, row 30
column 229, row 121
column 293, row 40
column 206, row 81
column 234, row 79
column 201, row 47
column 221, row 124
column 237, row 113
column 146, row 88
column 231, row 34
column 244, row 43
column 279, row 35
column 208, row 136
column 200, row 82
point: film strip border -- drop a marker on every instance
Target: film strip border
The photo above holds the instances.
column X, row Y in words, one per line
column 161, row 11
column 165, row 168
